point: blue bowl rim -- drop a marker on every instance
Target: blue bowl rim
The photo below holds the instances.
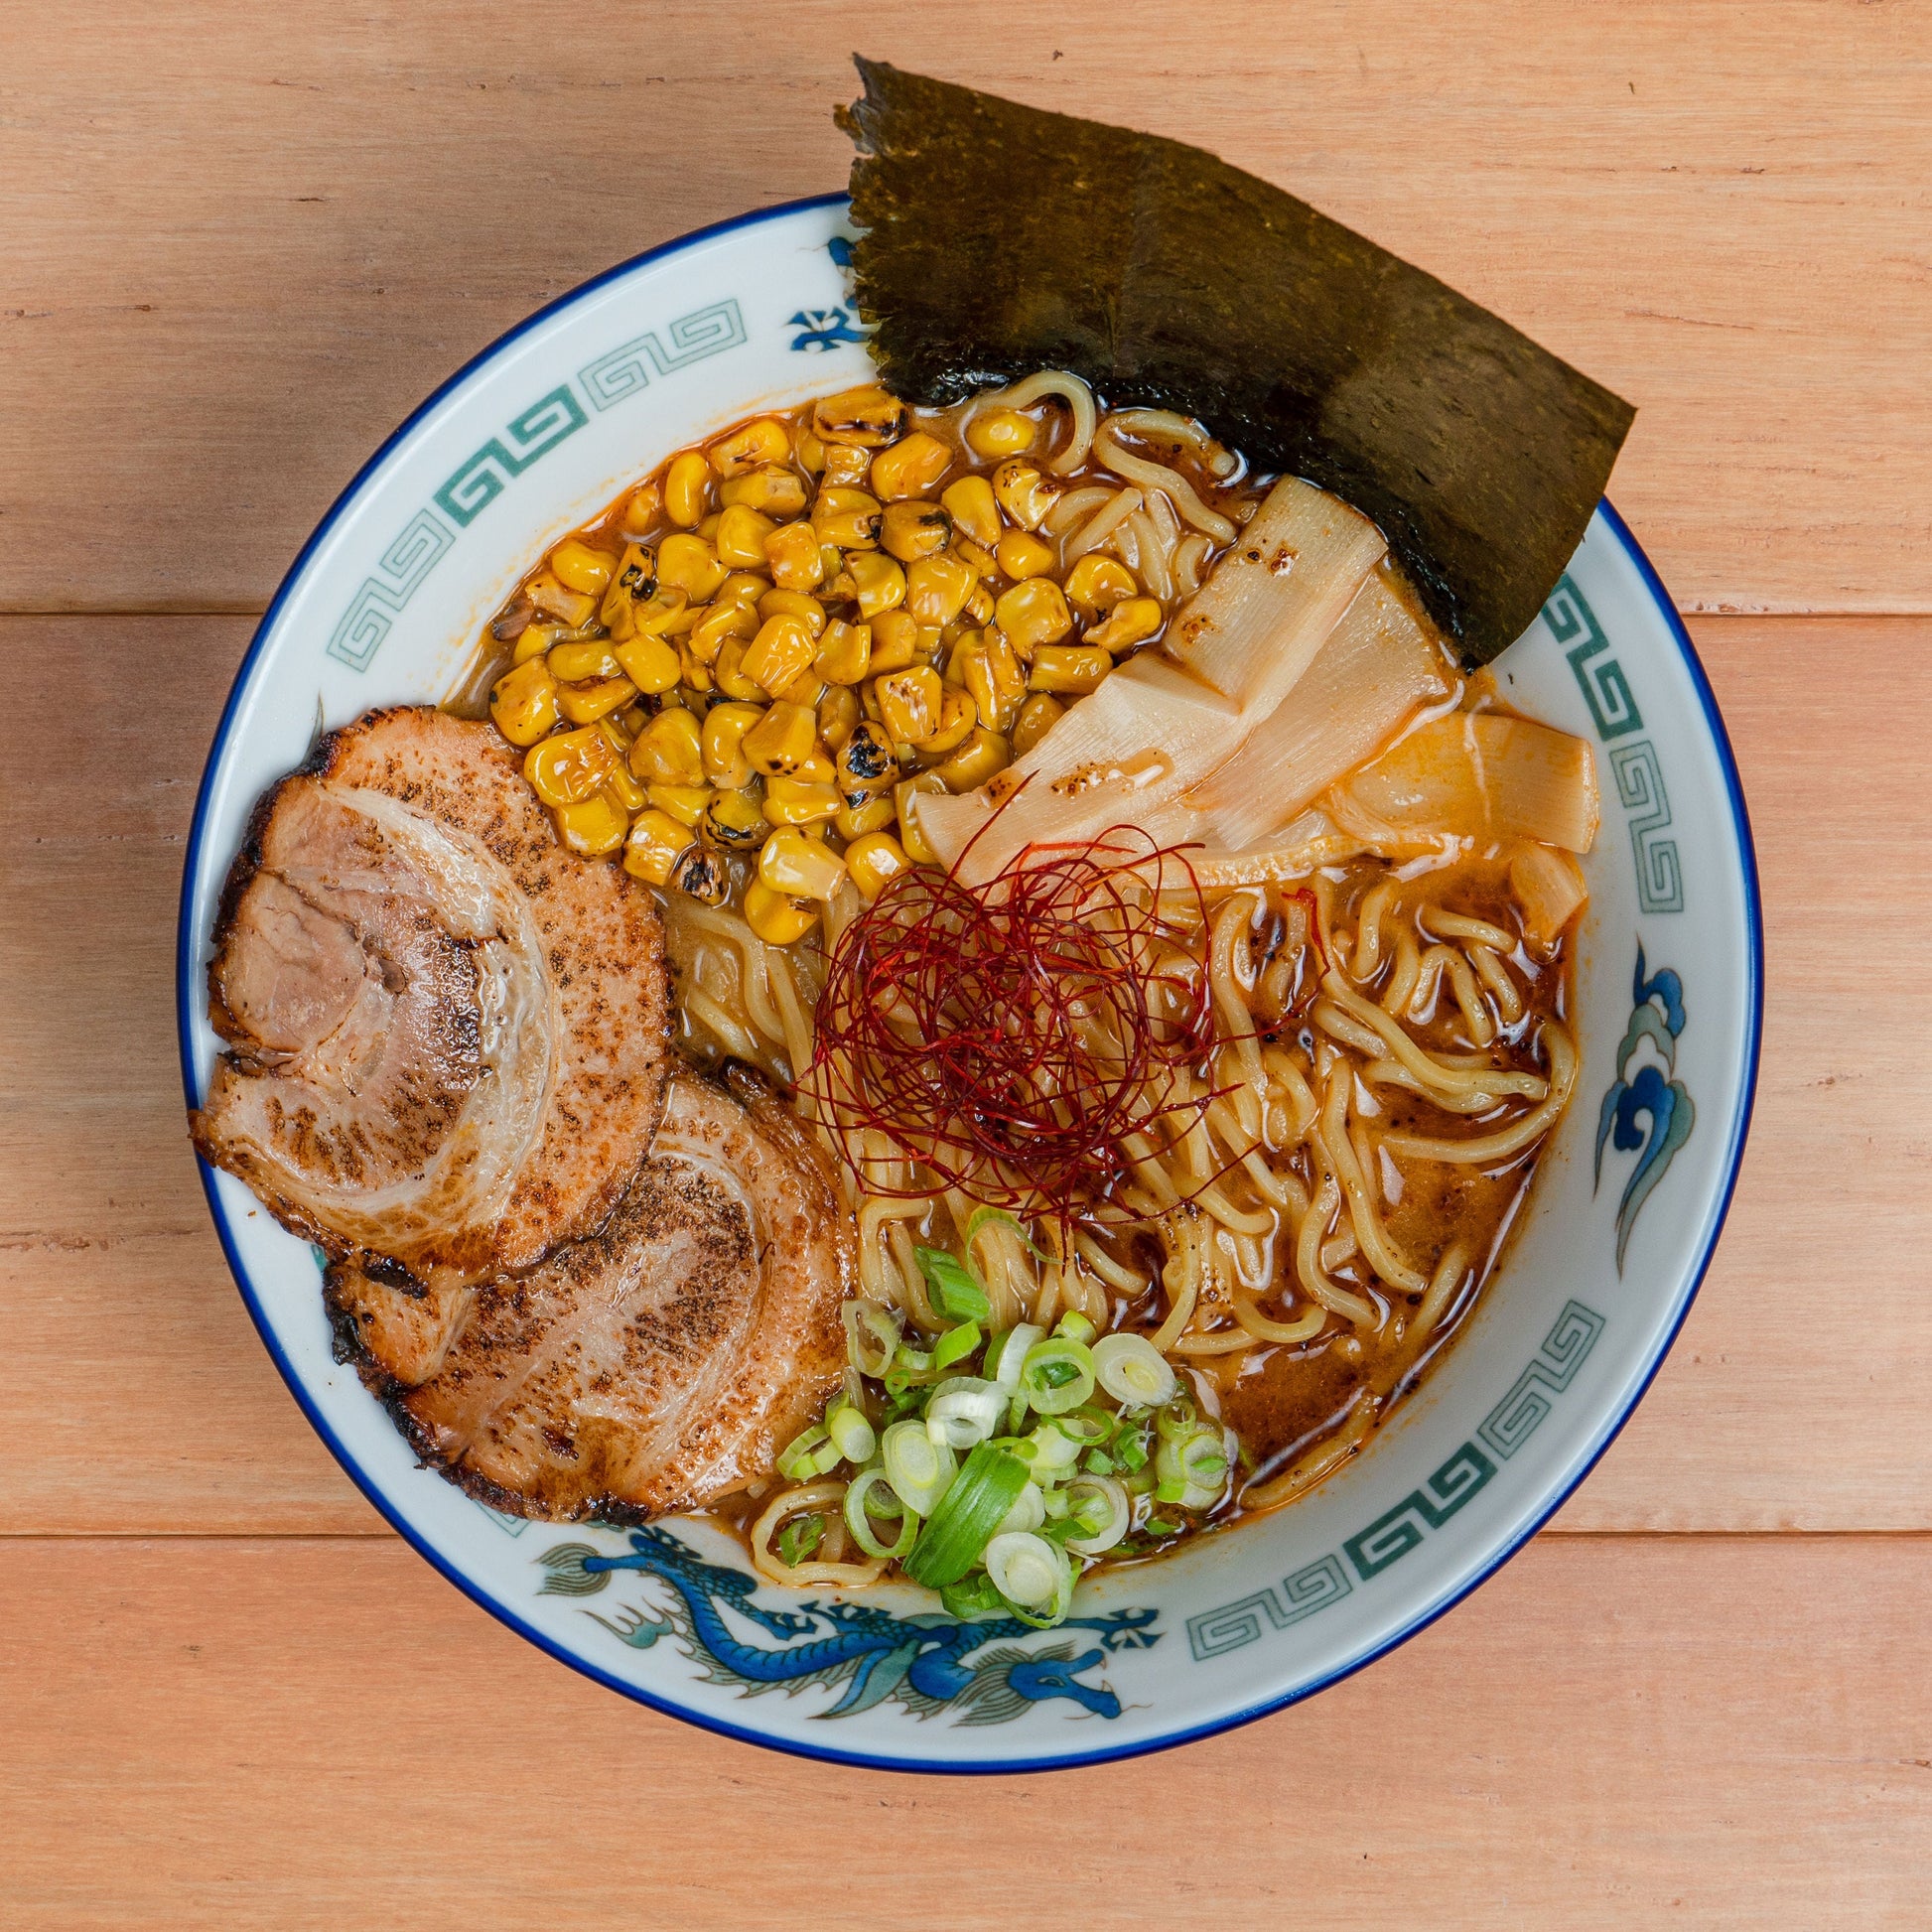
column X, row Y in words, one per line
column 187, row 974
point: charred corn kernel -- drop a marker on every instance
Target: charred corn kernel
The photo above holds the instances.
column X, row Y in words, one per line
column 799, row 866
column 727, row 674
column 867, row 417
column 910, row 467
column 687, row 489
column 776, row 919
column 808, row 447
column 570, row 768
column 974, row 508
column 593, row 826
column 653, row 846
column 574, row 564
column 732, row 822
column 650, row 663
column 910, row 702
column 844, row 653
column 1037, row 716
column 702, row 874
column 838, row 713
column 725, row 726
column 794, row 603
column 983, row 661
column 796, row 801
column 754, row 447
column 781, row 739
column 1000, row 432
column 877, row 583
column 797, row 561
column 576, row 663
column 936, row 588
column 690, row 563
column 685, row 803
column 551, row 594
column 633, row 595
column 866, row 762
column 1021, row 555
column 979, row 606
column 909, row 835
column 784, row 647
column 845, row 466
column 1096, row 583
column 875, row 859
column 720, row 623
column 848, row 518
column 534, row 640
column 1072, row 669
column 640, row 513
column 1023, row 492
column 740, row 536
column 915, row 529
column 744, row 587
column 1134, row 622
column 523, row 702
column 868, row 815
column 1034, row 613
column 976, row 760
column 771, row 491
column 585, row 704
column 957, row 717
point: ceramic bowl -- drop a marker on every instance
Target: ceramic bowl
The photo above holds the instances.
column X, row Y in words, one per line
column 383, row 605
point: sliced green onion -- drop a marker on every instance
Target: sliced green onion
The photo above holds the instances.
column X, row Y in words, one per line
column 1084, row 1425
column 1026, row 1514
column 909, row 1366
column 1133, row 1371
column 1053, row 1504
column 1103, row 1512
column 999, row 1216
column 1054, row 1453
column 964, row 1411
column 853, row 1436
column 918, row 1468
column 956, row 1344
column 857, row 1503
column 871, row 1334
column 967, row 1514
column 1075, row 1327
column 799, row 1538
column 1032, row 1574
column 956, row 1292
column 1129, row 1448
column 1170, row 1491
column 973, row 1597
column 1058, row 1376
column 1006, row 1353
column 1159, row 1526
column 1177, row 1417
column 825, row 1458
column 1098, row 1464
column 798, row 1461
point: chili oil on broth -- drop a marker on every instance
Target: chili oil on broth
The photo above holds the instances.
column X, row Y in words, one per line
column 748, row 960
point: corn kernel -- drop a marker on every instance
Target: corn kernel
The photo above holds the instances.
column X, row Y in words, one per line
column 707, row 531
column 1022, row 555
column 805, row 689
column 1033, row 614
column 690, row 563
column 534, row 641
column 727, row 674
column 796, row 559
column 669, row 751
column 577, row 565
column 979, row 606
column 847, row 465
column 844, row 653
column 523, row 702
column 585, row 704
column 866, row 760
column 980, row 562
column 909, row 835
column 725, row 726
column 653, row 846
column 808, row 447
column 875, row 860
column 794, row 603
column 957, row 717
column 550, row 593
column 732, row 822
column 915, row 529
column 781, row 739
column 794, row 801
column 910, row 702
column 578, row 663
column 868, row 815
column 720, row 623
column 1134, row 622
column 1073, row 668
column 799, row 866
column 740, row 536
column 899, row 640
column 702, row 874
column 650, row 663
column 782, row 649
column 936, row 588
column 1001, row 433
column 869, row 417
column 974, row 508
column 770, row 491
column 744, row 587
column 910, row 467
column 983, row 661
column 593, row 826
column 816, row 768
column 1023, row 492
column 697, row 675
column 570, row 768
column 877, row 583
column 776, row 919
column 634, row 601
column 685, row 803
column 687, row 489
column 640, row 513
column 756, row 445
column 976, row 760
column 1096, row 583
column 1037, row 716
column 848, row 518
column 838, row 713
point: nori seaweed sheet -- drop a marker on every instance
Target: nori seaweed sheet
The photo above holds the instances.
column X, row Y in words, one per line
column 997, row 239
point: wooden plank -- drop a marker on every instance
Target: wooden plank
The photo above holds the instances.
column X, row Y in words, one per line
column 243, row 243
column 1611, row 1732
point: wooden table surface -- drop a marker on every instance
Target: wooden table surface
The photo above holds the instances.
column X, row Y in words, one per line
column 240, row 243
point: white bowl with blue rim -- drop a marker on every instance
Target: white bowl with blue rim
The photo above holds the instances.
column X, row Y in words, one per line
column 384, row 604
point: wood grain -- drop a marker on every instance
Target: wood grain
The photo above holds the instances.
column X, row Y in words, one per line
column 138, row 1399
column 322, row 1733
column 243, row 243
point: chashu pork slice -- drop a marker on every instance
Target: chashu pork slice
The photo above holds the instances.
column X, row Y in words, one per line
column 447, row 1036
column 657, row 1365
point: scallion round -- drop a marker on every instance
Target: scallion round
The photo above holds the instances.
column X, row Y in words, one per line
column 1105, row 1515
column 1006, row 1353
column 1026, row 1514
column 918, row 1468
column 870, row 1335
column 1032, row 1574
column 1133, row 1371
column 859, row 1521
column 798, row 1461
column 963, row 1411
column 1058, row 1376
column 853, row 1436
